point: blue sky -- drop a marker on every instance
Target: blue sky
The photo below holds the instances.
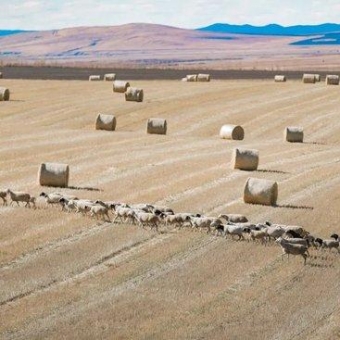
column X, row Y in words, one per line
column 50, row 14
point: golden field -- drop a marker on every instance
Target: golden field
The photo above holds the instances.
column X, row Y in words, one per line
column 65, row 276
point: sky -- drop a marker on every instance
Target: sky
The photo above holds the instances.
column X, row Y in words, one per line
column 54, row 14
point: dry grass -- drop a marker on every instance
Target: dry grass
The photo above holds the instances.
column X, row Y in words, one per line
column 66, row 276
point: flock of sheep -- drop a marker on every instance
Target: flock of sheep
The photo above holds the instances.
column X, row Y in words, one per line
column 294, row 240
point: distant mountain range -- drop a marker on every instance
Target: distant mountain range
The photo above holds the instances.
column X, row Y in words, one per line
column 273, row 29
column 10, row 32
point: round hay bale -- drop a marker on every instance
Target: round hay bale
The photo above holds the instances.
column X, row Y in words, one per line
column 53, row 175
column 184, row 79
column 109, row 76
column 133, row 94
column 230, row 131
column 191, row 77
column 1, row 76
column 308, row 78
column 245, row 159
column 332, row 79
column 203, row 77
column 94, row 77
column 4, row 94
column 280, row 78
column 120, row 86
column 156, row 126
column 260, row 191
column 106, row 122
column 317, row 77
column 293, row 134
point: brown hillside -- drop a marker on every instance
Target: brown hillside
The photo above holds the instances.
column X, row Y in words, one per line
column 150, row 45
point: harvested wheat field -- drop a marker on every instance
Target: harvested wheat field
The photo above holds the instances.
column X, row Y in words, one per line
column 68, row 276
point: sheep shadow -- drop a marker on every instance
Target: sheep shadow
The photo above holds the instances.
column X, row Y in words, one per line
column 292, row 206
column 273, row 171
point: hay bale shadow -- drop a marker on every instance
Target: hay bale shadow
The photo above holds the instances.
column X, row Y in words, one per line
column 84, row 188
column 273, row 171
column 292, row 206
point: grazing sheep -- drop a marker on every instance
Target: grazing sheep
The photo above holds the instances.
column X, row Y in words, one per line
column 19, row 197
column 52, row 198
column 235, row 230
column 159, row 208
column 220, row 230
column 298, row 230
column 333, row 243
column 67, row 205
column 100, row 209
column 123, row 213
column 83, row 206
column 3, row 194
column 142, row 206
column 259, row 235
column 292, row 249
column 298, row 240
column 275, row 231
column 32, row 201
column 147, row 219
column 204, row 223
column 234, row 218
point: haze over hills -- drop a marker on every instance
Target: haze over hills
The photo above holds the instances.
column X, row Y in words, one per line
column 151, row 45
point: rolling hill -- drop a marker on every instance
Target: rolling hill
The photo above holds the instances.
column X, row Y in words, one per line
column 160, row 46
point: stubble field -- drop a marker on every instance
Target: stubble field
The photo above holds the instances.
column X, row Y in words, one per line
column 65, row 276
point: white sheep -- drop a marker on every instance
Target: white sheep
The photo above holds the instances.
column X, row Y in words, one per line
column 123, row 213
column 19, row 197
column 275, row 231
column 147, row 219
column 204, row 223
column 234, row 218
column 100, row 210
column 83, row 206
column 333, row 243
column 292, row 249
column 52, row 198
column 235, row 230
column 259, row 235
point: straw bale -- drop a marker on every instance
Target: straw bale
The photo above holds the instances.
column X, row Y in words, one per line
column 308, row 78
column 157, row 126
column 105, row 122
column 293, row 134
column 120, row 86
column 53, row 174
column 332, row 79
column 191, row 77
column 94, row 77
column 109, row 76
column 203, row 77
column 4, row 94
column 133, row 94
column 260, row 191
column 280, row 78
column 245, row 159
column 230, row 131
